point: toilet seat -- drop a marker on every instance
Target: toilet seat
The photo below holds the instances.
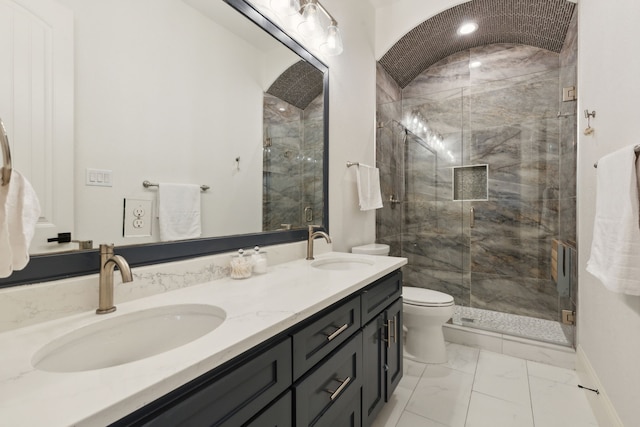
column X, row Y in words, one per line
column 425, row 297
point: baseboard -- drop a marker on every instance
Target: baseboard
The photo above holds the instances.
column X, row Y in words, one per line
column 601, row 405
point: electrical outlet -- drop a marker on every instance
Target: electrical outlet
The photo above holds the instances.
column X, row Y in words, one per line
column 137, row 218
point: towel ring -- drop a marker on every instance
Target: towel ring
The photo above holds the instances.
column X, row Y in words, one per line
column 6, row 155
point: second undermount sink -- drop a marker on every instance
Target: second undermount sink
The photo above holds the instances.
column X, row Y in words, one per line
column 342, row 263
column 122, row 339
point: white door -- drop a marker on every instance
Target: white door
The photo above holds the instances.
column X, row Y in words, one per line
column 36, row 106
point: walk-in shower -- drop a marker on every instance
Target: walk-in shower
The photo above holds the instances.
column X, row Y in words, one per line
column 479, row 152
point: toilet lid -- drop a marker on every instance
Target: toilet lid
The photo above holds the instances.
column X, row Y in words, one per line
column 425, row 297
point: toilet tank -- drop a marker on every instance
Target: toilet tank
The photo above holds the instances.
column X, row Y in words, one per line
column 371, row 249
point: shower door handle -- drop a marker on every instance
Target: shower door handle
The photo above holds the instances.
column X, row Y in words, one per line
column 472, row 217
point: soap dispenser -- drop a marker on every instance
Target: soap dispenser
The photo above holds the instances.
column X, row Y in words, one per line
column 259, row 261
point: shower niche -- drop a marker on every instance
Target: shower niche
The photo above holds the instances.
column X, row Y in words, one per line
column 471, row 183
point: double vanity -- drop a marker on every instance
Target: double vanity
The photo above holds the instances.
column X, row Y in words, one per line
column 318, row 342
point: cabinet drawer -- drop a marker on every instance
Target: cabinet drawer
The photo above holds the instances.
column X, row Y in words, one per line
column 279, row 414
column 234, row 398
column 347, row 415
column 318, row 339
column 379, row 295
column 331, row 387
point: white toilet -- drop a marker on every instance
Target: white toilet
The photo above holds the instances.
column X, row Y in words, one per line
column 424, row 311
column 371, row 249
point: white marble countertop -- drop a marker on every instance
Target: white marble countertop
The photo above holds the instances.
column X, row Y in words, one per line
column 256, row 309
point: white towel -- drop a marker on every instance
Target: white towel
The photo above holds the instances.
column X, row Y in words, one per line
column 179, row 211
column 615, row 249
column 368, row 180
column 18, row 218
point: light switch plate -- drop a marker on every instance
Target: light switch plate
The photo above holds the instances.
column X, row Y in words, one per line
column 137, row 217
column 99, row 177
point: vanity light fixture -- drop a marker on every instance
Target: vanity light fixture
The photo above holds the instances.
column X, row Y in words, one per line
column 285, row 8
column 310, row 13
column 467, row 28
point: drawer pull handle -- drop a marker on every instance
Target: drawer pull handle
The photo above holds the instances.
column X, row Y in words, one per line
column 388, row 325
column 337, row 332
column 336, row 393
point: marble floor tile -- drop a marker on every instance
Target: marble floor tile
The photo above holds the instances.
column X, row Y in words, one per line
column 412, row 372
column 501, row 376
column 553, row 373
column 489, row 411
column 478, row 388
column 393, row 410
column 442, row 395
column 412, row 420
column 560, row 405
column 462, row 358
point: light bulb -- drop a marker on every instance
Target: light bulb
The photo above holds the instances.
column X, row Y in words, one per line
column 310, row 27
column 333, row 45
column 285, row 7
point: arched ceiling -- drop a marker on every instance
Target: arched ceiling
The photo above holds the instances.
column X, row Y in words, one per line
column 298, row 85
column 539, row 23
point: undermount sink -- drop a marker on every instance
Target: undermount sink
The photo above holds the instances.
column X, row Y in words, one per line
column 118, row 340
column 342, row 264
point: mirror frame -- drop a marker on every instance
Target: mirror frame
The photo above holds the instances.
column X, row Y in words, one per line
column 44, row 268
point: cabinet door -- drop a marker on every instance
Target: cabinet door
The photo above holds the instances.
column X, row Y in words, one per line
column 393, row 316
column 373, row 379
column 331, row 386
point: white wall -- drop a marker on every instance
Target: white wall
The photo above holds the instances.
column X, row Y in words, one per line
column 352, row 82
column 152, row 102
column 608, row 70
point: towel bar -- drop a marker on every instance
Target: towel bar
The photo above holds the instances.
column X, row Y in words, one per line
column 147, row 184
column 6, row 155
column 349, row 164
column 636, row 149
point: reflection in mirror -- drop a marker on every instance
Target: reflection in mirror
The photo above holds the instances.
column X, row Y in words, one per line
column 293, row 149
column 181, row 92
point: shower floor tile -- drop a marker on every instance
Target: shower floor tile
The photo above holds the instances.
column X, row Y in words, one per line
column 513, row 324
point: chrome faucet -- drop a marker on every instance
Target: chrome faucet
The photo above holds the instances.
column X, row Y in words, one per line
column 108, row 262
column 313, row 235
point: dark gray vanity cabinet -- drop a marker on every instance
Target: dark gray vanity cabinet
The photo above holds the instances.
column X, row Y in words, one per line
column 336, row 368
column 316, row 340
column 328, row 392
column 382, row 344
column 277, row 414
column 231, row 399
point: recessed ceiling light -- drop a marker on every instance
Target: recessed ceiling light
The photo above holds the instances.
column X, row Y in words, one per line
column 467, row 28
column 475, row 64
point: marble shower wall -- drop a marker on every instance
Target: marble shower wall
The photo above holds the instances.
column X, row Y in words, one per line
column 292, row 163
column 389, row 159
column 494, row 105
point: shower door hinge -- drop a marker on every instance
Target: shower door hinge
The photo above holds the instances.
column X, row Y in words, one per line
column 568, row 317
column 568, row 93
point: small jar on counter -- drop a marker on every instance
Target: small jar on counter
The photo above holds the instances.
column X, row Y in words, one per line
column 259, row 261
column 241, row 266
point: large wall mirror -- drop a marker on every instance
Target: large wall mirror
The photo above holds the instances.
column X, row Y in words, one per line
column 205, row 92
